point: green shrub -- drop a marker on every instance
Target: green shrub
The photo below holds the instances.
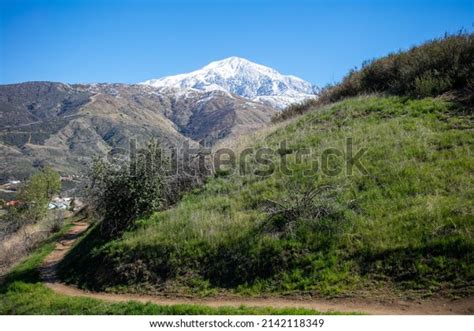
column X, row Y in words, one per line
column 429, row 70
column 121, row 194
column 429, row 84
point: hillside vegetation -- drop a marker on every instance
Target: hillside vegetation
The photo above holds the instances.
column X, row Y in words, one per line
column 441, row 66
column 23, row 283
column 26, row 224
column 403, row 221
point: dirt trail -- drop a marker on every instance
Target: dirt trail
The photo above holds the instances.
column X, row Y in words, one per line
column 362, row 305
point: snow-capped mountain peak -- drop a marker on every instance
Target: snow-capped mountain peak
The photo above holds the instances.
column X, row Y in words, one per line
column 244, row 78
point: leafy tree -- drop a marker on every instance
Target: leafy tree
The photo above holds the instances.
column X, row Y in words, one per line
column 119, row 194
column 37, row 193
column 52, row 181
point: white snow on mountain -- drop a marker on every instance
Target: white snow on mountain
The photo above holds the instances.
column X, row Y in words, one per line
column 244, row 78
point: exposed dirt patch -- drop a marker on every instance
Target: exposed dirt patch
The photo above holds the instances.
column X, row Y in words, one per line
column 379, row 306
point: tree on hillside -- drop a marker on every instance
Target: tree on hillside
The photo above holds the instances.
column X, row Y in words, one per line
column 34, row 197
column 119, row 194
column 37, row 193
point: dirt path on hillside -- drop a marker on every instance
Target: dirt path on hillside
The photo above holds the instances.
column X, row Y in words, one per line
column 362, row 305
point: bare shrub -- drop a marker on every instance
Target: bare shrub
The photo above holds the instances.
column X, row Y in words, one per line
column 183, row 179
column 19, row 244
column 55, row 220
column 314, row 206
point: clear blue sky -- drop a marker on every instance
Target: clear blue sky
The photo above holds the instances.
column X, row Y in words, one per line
column 130, row 41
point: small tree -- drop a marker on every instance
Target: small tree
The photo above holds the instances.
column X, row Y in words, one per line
column 119, row 194
column 37, row 193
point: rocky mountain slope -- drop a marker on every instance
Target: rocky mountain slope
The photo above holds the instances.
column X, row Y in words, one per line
column 66, row 125
column 244, row 78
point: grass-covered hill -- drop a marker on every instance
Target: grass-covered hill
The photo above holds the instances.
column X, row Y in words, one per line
column 403, row 221
column 23, row 283
column 443, row 66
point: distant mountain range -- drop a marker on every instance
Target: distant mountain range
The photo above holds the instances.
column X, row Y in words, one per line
column 65, row 125
column 244, row 78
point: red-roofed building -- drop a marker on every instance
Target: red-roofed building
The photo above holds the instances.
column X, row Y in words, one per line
column 12, row 203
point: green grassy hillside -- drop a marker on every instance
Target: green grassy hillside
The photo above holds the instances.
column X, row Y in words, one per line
column 442, row 66
column 404, row 224
column 23, row 283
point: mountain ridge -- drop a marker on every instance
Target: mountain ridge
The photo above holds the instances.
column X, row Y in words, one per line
column 242, row 77
column 66, row 125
